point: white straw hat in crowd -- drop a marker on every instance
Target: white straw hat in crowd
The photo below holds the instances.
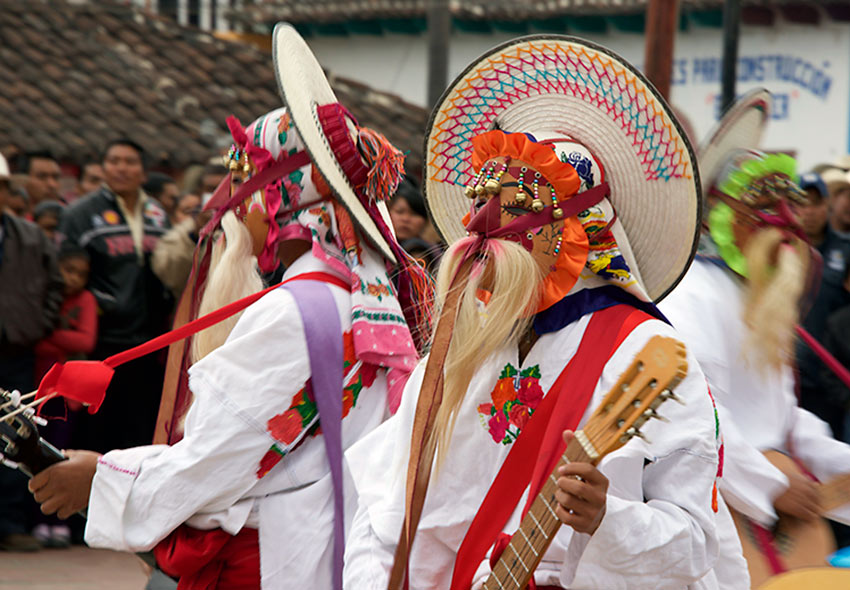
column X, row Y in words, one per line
column 329, row 133
column 554, row 84
column 740, row 128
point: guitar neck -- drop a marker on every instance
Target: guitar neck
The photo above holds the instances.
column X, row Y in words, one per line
column 536, row 531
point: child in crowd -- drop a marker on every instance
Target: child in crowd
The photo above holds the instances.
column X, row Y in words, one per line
column 47, row 215
column 73, row 338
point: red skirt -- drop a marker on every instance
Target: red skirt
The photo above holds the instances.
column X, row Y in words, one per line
column 211, row 560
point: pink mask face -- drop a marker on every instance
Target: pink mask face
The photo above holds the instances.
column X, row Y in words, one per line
column 514, row 202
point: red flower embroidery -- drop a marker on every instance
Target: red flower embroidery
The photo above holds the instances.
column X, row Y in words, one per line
column 486, row 409
column 347, row 402
column 269, row 460
column 503, row 392
column 498, row 426
column 519, row 416
column 511, row 409
column 285, row 427
column 368, row 373
column 348, row 356
column 530, row 393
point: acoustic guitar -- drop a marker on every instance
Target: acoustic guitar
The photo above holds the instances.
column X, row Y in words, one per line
column 20, row 444
column 794, row 543
column 646, row 384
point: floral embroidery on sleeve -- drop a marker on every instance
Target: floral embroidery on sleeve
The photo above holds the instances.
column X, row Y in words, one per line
column 301, row 419
column 514, row 399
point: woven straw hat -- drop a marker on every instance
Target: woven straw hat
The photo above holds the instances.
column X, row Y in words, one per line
column 553, row 84
column 328, row 133
column 740, row 128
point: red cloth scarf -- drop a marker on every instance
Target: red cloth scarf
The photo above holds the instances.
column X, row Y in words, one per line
column 211, row 560
column 538, row 449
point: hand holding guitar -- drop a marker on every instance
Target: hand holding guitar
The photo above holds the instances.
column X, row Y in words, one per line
column 581, row 494
column 64, row 488
column 801, row 499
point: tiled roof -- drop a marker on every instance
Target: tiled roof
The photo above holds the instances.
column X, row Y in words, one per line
column 75, row 75
column 328, row 11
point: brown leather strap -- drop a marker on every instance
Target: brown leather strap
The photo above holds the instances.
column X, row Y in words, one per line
column 421, row 453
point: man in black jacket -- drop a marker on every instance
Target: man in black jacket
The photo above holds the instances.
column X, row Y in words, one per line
column 30, row 296
column 119, row 225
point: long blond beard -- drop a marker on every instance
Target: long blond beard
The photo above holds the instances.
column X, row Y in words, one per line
column 771, row 304
column 233, row 275
column 514, row 280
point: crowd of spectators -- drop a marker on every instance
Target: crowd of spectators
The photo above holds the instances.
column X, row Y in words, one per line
column 94, row 271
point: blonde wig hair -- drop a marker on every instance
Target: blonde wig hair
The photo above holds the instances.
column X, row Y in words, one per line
column 776, row 274
column 513, row 279
column 233, row 275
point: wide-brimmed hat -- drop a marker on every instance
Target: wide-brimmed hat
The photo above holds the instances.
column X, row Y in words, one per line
column 740, row 128
column 329, row 133
column 554, row 84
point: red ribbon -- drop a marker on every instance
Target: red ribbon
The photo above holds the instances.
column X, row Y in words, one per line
column 87, row 381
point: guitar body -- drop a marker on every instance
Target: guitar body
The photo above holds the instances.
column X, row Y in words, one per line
column 820, row 578
column 797, row 543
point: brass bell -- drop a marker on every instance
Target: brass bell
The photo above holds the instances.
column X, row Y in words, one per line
column 557, row 213
column 234, row 165
column 493, row 186
column 469, row 191
column 246, row 168
column 479, row 190
column 537, row 205
column 520, row 197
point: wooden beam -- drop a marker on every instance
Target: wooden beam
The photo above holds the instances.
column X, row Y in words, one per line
column 662, row 19
column 439, row 30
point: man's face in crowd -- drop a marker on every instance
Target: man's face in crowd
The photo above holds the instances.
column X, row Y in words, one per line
column 123, row 170
column 840, row 209
column 16, row 203
column 169, row 197
column 5, row 195
column 91, row 179
column 188, row 206
column 43, row 180
column 209, row 182
column 813, row 214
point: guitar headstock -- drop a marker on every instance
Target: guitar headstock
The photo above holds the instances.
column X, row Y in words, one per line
column 19, row 439
column 648, row 382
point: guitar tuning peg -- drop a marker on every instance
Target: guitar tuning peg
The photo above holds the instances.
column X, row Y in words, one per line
column 633, row 432
column 667, row 394
column 651, row 413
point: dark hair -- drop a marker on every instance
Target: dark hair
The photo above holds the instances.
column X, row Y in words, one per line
column 26, row 160
column 82, row 170
column 69, row 249
column 49, row 207
column 156, row 182
column 408, row 191
column 122, row 141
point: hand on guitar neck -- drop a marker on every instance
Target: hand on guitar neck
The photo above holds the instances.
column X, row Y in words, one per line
column 801, row 499
column 64, row 488
column 581, row 494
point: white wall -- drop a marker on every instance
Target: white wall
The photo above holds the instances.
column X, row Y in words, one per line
column 812, row 107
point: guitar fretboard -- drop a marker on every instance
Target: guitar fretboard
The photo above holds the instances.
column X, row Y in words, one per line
column 536, row 531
